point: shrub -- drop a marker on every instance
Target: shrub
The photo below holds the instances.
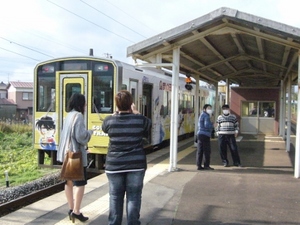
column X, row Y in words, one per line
column 17, row 155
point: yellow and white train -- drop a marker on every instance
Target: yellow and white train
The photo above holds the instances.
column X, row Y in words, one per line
column 99, row 79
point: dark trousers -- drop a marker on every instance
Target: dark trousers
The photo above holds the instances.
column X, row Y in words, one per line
column 228, row 140
column 203, row 148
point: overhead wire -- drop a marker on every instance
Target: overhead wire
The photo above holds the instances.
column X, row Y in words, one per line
column 111, row 18
column 75, row 14
column 64, row 45
column 23, row 46
column 130, row 15
column 52, row 39
column 58, row 42
column 19, row 54
column 13, row 42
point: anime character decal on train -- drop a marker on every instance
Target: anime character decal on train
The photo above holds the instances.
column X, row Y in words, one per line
column 47, row 130
column 162, row 113
column 158, row 121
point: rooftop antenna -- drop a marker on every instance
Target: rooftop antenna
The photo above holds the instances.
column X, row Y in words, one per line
column 107, row 55
column 91, row 52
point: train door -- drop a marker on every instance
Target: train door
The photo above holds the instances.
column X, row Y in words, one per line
column 146, row 104
column 70, row 84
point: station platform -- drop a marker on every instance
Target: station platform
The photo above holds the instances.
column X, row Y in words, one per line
column 263, row 191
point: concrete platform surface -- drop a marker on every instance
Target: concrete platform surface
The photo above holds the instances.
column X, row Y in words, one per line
column 263, row 191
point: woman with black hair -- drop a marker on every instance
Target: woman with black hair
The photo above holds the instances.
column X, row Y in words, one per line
column 74, row 137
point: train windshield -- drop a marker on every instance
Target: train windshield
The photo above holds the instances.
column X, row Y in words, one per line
column 102, row 87
column 46, row 89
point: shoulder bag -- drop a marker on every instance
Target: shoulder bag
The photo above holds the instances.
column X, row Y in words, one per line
column 72, row 167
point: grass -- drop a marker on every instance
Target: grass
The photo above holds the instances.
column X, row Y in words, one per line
column 17, row 155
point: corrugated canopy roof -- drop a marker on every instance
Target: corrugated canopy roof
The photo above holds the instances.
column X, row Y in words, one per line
column 248, row 50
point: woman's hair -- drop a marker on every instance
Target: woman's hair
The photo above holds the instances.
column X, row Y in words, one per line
column 123, row 100
column 77, row 102
column 206, row 105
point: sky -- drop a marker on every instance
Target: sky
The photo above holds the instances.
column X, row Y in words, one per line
column 33, row 31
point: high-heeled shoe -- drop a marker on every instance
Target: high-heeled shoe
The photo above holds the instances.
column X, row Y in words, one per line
column 69, row 213
column 79, row 217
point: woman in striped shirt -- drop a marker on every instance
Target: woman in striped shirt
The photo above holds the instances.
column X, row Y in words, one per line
column 126, row 163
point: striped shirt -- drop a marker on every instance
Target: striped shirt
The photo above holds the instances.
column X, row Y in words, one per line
column 227, row 124
column 125, row 151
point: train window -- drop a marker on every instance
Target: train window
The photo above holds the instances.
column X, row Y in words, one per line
column 71, row 89
column 102, row 87
column 188, row 107
column 102, row 94
column 133, row 90
column 45, row 93
column 164, row 108
column 193, row 103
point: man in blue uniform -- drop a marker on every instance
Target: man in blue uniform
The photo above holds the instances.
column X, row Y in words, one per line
column 205, row 127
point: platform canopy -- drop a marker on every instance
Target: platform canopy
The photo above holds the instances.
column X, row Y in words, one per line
column 228, row 45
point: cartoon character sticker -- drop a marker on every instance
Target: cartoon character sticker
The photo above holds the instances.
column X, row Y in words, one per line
column 46, row 127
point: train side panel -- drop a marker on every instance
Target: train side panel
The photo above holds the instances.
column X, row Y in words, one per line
column 160, row 101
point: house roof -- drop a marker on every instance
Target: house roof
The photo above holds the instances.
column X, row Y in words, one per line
column 3, row 86
column 18, row 84
column 4, row 101
column 227, row 44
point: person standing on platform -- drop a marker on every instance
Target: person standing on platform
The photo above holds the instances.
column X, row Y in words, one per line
column 74, row 137
column 205, row 128
column 227, row 130
column 126, row 159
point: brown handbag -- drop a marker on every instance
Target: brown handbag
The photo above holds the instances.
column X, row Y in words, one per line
column 72, row 167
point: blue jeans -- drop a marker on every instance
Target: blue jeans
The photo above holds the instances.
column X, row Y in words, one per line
column 130, row 183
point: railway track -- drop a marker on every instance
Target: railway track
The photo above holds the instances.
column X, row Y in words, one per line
column 21, row 202
column 35, row 196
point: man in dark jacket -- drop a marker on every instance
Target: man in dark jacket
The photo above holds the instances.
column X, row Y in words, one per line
column 205, row 128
